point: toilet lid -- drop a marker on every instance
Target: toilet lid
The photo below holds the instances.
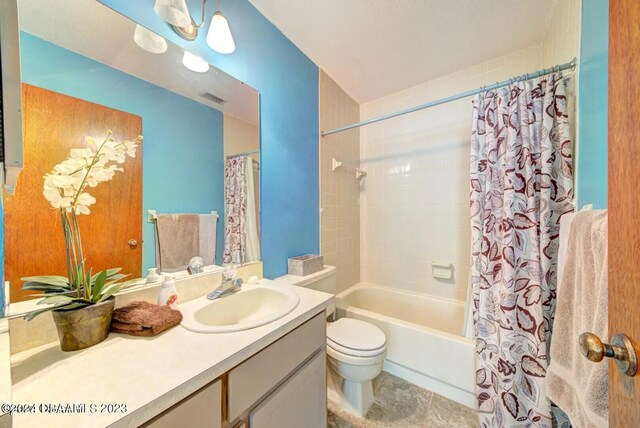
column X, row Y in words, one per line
column 351, row 336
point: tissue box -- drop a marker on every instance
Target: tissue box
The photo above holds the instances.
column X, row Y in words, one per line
column 305, row 265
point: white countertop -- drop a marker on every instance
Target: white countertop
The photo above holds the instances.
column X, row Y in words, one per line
column 147, row 375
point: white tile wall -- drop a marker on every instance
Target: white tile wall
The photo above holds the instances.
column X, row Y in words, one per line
column 339, row 197
column 414, row 200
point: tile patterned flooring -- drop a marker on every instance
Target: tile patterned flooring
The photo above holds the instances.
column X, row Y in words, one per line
column 399, row 403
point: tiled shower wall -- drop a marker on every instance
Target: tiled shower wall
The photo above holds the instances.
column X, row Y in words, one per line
column 414, row 208
column 339, row 190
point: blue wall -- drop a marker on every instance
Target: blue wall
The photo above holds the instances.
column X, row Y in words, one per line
column 182, row 150
column 592, row 104
column 288, row 84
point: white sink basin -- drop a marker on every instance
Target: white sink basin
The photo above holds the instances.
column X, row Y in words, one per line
column 253, row 306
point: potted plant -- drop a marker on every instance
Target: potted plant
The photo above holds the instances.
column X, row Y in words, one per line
column 82, row 303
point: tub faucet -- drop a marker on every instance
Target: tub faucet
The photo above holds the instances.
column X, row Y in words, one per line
column 227, row 287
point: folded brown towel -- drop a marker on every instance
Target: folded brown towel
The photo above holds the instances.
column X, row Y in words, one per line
column 141, row 318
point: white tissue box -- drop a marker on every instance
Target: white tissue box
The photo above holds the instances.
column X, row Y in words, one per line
column 305, row 265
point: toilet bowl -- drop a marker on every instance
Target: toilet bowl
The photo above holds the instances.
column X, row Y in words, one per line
column 355, row 350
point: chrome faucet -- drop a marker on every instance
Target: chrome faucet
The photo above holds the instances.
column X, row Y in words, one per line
column 227, row 287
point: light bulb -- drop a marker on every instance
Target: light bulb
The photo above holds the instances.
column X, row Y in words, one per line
column 219, row 37
column 148, row 40
column 194, row 62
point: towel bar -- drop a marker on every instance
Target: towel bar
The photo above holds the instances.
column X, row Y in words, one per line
column 152, row 215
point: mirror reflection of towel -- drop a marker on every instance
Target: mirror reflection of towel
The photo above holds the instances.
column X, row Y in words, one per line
column 180, row 237
column 207, row 236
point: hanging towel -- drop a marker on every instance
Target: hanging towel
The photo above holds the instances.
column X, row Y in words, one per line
column 565, row 228
column 177, row 241
column 575, row 384
column 207, row 237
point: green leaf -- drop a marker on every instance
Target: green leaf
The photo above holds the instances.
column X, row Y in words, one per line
column 52, row 300
column 57, row 280
column 65, row 306
column 97, row 287
column 117, row 286
column 39, row 286
column 111, row 272
column 31, row 315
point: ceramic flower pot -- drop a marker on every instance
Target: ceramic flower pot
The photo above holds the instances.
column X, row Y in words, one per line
column 84, row 327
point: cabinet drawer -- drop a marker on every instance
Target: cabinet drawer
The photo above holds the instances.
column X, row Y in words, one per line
column 252, row 379
column 201, row 409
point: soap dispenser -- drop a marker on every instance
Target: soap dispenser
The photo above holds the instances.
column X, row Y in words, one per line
column 168, row 295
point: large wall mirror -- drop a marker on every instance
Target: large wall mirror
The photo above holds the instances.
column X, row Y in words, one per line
column 193, row 187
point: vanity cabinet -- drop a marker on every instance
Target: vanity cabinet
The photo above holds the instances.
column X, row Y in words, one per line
column 283, row 382
column 283, row 386
column 203, row 408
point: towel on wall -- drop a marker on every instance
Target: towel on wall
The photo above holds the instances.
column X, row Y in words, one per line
column 140, row 318
column 575, row 384
column 177, row 241
column 180, row 237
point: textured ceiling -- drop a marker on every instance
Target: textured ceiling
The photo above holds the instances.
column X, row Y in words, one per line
column 374, row 48
column 94, row 30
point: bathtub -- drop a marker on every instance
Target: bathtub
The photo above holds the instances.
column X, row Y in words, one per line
column 425, row 345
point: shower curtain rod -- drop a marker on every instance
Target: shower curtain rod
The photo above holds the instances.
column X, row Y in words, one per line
column 565, row 66
column 243, row 154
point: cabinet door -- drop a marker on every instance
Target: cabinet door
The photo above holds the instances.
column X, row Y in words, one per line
column 201, row 409
column 300, row 402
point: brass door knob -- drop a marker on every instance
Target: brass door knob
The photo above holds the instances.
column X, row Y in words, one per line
column 133, row 244
column 621, row 349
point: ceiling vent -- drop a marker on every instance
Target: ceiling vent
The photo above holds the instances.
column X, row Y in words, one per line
column 213, row 98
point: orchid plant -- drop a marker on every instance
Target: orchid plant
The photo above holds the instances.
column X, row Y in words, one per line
column 65, row 187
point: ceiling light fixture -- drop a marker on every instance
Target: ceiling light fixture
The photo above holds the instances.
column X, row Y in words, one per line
column 175, row 12
column 219, row 36
column 148, row 40
column 194, row 62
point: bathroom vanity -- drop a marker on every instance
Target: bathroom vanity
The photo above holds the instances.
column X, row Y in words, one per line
column 284, row 385
column 272, row 375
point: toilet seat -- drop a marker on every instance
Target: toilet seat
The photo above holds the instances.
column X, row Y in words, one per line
column 356, row 338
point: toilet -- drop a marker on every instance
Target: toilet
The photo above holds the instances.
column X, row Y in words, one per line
column 355, row 349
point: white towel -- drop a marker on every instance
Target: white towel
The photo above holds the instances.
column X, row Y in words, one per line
column 208, row 238
column 565, row 228
column 575, row 384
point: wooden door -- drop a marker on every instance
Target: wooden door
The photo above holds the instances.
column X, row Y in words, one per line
column 34, row 245
column 624, row 201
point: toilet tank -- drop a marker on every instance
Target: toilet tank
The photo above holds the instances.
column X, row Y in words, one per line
column 324, row 280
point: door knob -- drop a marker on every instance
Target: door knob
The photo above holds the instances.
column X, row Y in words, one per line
column 621, row 349
column 133, row 244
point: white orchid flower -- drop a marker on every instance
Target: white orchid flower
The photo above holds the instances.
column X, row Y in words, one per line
column 86, row 167
column 86, row 199
column 81, row 209
column 85, row 153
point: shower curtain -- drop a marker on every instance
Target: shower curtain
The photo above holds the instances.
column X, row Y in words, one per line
column 252, row 239
column 235, row 210
column 241, row 242
column 521, row 184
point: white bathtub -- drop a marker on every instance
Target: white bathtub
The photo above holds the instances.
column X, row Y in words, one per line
column 425, row 345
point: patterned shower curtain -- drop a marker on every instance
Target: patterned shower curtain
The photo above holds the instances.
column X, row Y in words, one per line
column 521, row 184
column 235, row 210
